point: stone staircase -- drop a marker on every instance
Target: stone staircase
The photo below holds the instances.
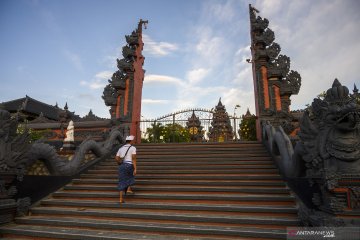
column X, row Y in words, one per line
column 183, row 191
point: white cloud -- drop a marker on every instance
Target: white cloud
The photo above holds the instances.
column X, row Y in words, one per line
column 158, row 49
column 195, row 76
column 99, row 81
column 243, row 78
column 153, row 78
column 97, row 84
column 104, row 75
column 236, row 96
column 210, row 47
column 83, row 83
column 224, row 12
column 154, row 101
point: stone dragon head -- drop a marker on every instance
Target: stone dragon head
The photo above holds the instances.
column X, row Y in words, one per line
column 330, row 134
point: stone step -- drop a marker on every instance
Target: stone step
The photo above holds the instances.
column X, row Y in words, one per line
column 260, row 152
column 190, row 164
column 157, row 182
column 143, row 188
column 188, row 155
column 182, row 191
column 27, row 231
column 145, row 227
column 154, row 216
column 245, row 144
column 227, row 177
column 188, row 171
column 191, row 168
column 176, row 197
column 222, row 208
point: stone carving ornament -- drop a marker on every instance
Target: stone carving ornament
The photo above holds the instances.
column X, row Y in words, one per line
column 118, row 80
column 329, row 151
column 109, row 95
column 13, row 158
column 273, row 51
column 13, row 146
column 125, row 65
column 280, row 66
column 294, row 81
column 132, row 39
column 128, row 53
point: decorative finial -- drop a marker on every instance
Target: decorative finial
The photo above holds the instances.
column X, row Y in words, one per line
column 66, row 106
column 355, row 89
column 142, row 22
column 337, row 93
column 253, row 9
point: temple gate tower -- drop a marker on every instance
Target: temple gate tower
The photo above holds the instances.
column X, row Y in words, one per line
column 195, row 129
column 124, row 92
column 221, row 129
column 274, row 83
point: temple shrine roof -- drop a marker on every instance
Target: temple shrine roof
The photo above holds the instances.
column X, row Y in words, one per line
column 32, row 106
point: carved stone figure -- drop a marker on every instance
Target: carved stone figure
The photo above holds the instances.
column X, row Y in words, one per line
column 125, row 65
column 128, row 52
column 294, row 81
column 279, row 67
column 329, row 151
column 118, row 80
column 273, row 51
column 109, row 95
column 132, row 39
column 70, row 132
column 13, row 150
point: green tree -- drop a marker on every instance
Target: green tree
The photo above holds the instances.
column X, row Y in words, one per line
column 169, row 133
column 248, row 129
column 155, row 132
column 176, row 133
column 34, row 134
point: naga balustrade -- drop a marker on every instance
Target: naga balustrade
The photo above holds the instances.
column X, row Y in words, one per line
column 322, row 166
column 18, row 154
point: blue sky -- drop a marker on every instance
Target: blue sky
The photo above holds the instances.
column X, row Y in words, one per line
column 195, row 50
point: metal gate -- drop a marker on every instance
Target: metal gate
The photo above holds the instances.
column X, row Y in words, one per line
column 181, row 118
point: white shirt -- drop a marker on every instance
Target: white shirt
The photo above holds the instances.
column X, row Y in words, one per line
column 128, row 157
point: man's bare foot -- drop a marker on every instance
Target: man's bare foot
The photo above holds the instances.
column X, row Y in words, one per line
column 130, row 191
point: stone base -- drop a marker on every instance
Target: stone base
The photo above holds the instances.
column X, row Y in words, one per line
column 7, row 210
column 68, row 146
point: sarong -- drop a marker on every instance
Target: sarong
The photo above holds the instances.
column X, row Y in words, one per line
column 126, row 176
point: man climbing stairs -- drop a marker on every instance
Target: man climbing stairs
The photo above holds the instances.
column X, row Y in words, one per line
column 183, row 191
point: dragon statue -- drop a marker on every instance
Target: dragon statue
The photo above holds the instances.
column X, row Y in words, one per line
column 62, row 166
column 13, row 158
column 17, row 153
column 324, row 167
column 329, row 155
